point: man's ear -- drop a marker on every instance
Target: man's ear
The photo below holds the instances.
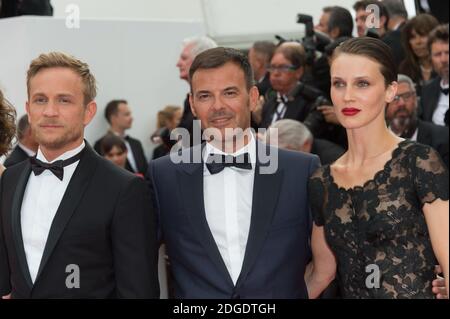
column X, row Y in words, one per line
column 27, row 108
column 253, row 98
column 90, row 111
column 191, row 104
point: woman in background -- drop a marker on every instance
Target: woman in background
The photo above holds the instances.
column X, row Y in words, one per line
column 417, row 63
column 381, row 213
column 114, row 149
column 7, row 127
column 168, row 119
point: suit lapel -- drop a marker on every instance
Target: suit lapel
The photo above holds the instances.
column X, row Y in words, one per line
column 265, row 197
column 17, row 225
column 191, row 189
column 74, row 193
column 433, row 98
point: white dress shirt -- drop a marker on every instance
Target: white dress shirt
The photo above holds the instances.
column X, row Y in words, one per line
column 281, row 108
column 228, row 199
column 442, row 108
column 41, row 200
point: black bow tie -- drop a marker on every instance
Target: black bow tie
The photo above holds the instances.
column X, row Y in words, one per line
column 57, row 168
column 444, row 90
column 217, row 162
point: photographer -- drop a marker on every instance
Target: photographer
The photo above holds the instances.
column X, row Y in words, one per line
column 290, row 97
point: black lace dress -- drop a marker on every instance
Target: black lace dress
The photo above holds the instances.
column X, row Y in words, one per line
column 378, row 231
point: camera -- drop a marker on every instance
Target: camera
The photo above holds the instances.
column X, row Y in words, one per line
column 312, row 41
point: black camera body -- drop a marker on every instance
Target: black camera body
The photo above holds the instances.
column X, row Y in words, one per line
column 312, row 41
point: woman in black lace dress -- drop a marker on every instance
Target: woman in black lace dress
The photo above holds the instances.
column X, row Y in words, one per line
column 381, row 211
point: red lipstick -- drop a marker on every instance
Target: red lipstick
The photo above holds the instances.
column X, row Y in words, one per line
column 350, row 111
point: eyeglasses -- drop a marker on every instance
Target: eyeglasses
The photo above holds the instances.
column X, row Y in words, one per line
column 282, row 68
column 405, row 96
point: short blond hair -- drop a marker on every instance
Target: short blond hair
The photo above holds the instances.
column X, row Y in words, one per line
column 59, row 59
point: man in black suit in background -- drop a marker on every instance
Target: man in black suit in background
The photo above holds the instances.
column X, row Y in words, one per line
column 118, row 115
column 401, row 117
column 397, row 19
column 434, row 99
column 72, row 224
column 26, row 146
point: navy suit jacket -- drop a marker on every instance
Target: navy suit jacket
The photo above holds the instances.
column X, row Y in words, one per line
column 278, row 246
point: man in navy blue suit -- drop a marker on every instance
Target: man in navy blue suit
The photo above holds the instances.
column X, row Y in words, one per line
column 233, row 212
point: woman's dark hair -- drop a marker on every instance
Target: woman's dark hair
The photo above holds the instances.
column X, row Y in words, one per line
column 109, row 141
column 7, row 124
column 342, row 19
column 422, row 24
column 373, row 49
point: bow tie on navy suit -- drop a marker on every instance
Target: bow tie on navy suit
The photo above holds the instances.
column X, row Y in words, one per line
column 57, row 167
column 444, row 90
column 217, row 162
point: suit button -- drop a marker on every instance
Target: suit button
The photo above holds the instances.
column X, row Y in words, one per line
column 235, row 296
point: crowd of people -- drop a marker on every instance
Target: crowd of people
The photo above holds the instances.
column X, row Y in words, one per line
column 357, row 131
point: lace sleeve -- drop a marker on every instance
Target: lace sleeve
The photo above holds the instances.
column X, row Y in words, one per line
column 430, row 175
column 316, row 200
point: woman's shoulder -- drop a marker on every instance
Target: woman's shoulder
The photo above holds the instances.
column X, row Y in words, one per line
column 414, row 149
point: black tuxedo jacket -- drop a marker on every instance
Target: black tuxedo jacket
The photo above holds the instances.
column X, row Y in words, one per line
column 104, row 225
column 393, row 40
column 17, row 155
column 138, row 153
column 297, row 108
column 431, row 93
column 435, row 136
column 264, row 85
column 277, row 249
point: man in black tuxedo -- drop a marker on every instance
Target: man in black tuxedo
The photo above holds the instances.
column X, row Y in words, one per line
column 397, row 18
column 233, row 212
column 289, row 98
column 401, row 117
column 72, row 224
column 26, row 146
column 434, row 99
column 118, row 115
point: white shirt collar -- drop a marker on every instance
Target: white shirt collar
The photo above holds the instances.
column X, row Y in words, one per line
column 40, row 156
column 250, row 148
column 26, row 149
